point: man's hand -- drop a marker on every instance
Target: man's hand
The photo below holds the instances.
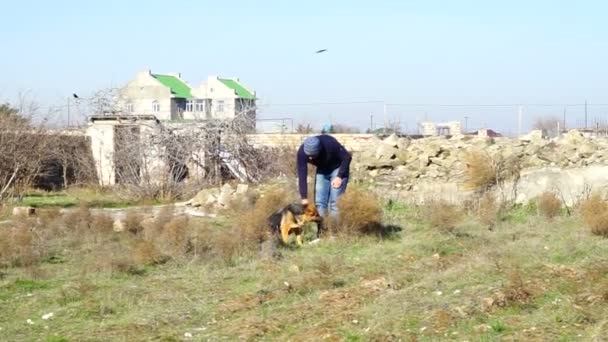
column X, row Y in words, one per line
column 304, row 201
column 336, row 183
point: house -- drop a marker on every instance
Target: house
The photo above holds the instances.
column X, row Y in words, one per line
column 171, row 98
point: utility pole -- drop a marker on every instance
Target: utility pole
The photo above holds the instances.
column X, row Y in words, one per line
column 585, row 114
column 385, row 120
column 68, row 111
column 519, row 120
column 371, row 123
column 564, row 123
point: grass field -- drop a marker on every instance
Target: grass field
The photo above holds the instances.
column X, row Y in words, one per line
column 95, row 198
column 526, row 279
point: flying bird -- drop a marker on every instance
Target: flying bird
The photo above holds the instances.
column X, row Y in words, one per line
column 321, row 51
column 75, row 96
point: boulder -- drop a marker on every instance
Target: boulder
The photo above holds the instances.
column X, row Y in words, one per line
column 392, row 140
column 118, row 226
column 242, row 189
column 24, row 211
column 223, row 200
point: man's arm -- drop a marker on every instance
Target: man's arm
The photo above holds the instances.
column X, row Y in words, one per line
column 345, row 159
column 302, row 164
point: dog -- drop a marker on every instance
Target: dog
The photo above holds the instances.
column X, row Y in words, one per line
column 292, row 218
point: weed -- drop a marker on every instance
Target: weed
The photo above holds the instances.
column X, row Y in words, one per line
column 359, row 213
column 549, row 205
column 442, row 215
column 480, row 173
column 594, row 212
column 102, row 224
column 146, row 253
column 133, row 223
column 174, row 238
column 488, row 210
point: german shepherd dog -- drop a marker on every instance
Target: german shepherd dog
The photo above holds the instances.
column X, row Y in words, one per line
column 292, row 218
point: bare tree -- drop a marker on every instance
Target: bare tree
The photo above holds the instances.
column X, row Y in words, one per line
column 24, row 146
column 548, row 124
column 304, row 128
column 163, row 160
column 340, row 128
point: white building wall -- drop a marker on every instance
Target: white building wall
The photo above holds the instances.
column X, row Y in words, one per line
column 102, row 148
column 142, row 91
column 217, row 91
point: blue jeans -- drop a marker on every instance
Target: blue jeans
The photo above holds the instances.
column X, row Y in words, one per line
column 325, row 195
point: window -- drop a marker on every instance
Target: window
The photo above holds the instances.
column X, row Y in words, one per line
column 129, row 107
column 200, row 105
column 155, row 107
column 189, row 106
column 220, row 106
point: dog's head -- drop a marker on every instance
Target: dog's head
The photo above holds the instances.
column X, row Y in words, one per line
column 311, row 214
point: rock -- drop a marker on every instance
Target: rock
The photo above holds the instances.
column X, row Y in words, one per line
column 573, row 137
column 534, row 136
column 242, row 189
column 386, row 152
column 223, row 200
column 24, row 211
column 392, row 140
column 403, row 143
column 118, row 226
column 204, row 197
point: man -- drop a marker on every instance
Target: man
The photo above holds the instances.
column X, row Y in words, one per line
column 333, row 162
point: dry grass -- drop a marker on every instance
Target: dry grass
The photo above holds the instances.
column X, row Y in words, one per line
column 132, row 223
column 102, row 224
column 594, row 212
column 484, row 172
column 488, row 210
column 360, row 213
column 442, row 215
column 480, row 172
column 549, row 205
column 174, row 238
column 146, row 253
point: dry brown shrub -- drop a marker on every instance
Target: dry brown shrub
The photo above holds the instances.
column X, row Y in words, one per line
column 102, row 224
column 133, row 223
column 201, row 240
column 442, row 215
column 146, row 253
column 480, row 173
column 359, row 213
column 20, row 247
column 549, row 205
column 174, row 238
column 227, row 244
column 79, row 219
column 488, row 210
column 252, row 225
column 161, row 219
column 594, row 212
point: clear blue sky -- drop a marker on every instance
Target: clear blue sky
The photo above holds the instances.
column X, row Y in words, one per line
column 431, row 52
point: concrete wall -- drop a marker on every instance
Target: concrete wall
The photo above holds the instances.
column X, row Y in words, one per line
column 102, row 146
column 353, row 142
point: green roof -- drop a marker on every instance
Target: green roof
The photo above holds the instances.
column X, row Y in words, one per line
column 177, row 86
column 241, row 91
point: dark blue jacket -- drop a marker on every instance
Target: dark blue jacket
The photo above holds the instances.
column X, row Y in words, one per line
column 332, row 156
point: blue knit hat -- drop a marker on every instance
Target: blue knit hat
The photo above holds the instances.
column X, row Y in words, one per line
column 312, row 146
